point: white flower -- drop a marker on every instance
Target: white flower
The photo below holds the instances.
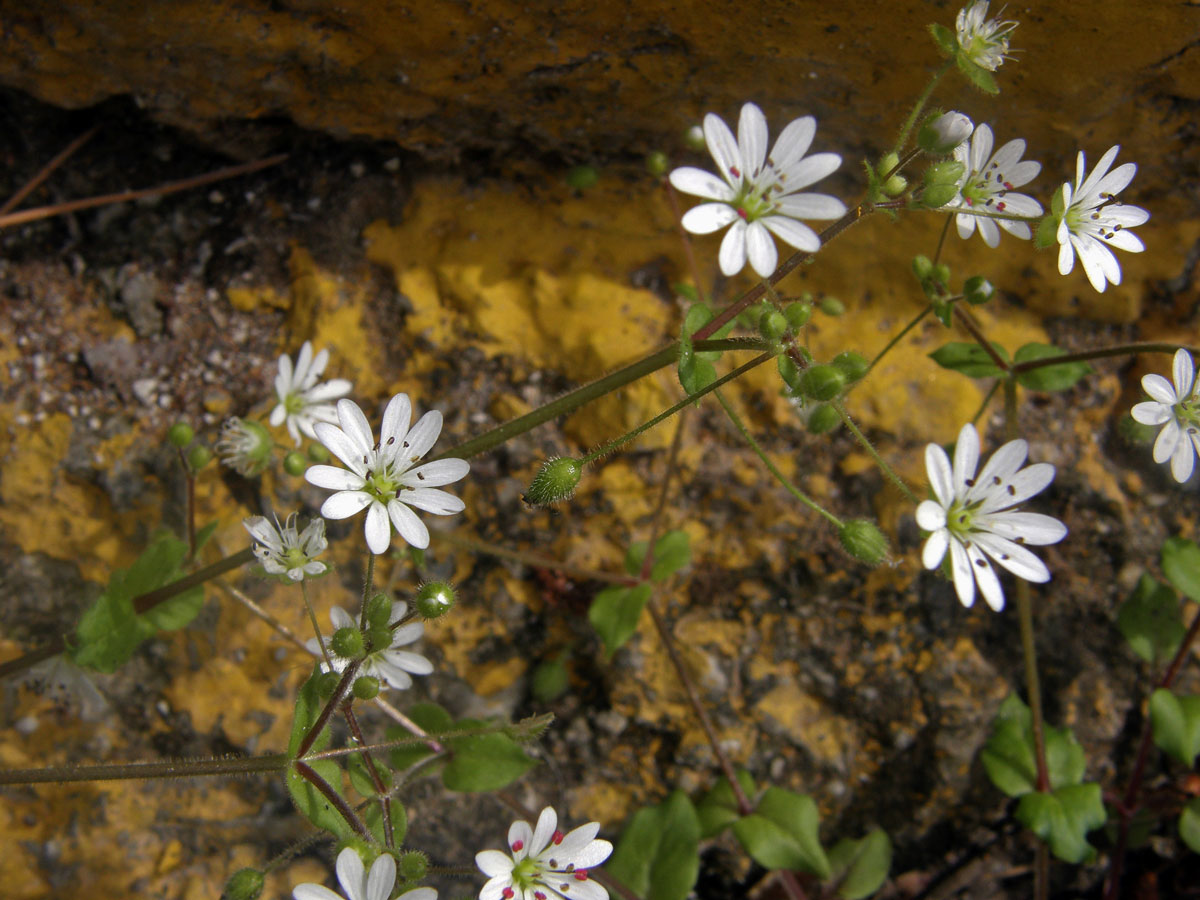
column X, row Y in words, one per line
column 1093, row 219
column 68, row 685
column 284, row 552
column 543, row 860
column 945, row 133
column 381, row 478
column 245, row 446
column 758, row 192
column 1177, row 409
column 303, row 402
column 389, row 664
column 983, row 41
column 973, row 516
column 988, row 184
column 358, row 884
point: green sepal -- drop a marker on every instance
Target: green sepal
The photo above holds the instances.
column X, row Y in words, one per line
column 1176, row 724
column 970, row 359
column 977, row 75
column 1189, row 825
column 1150, row 621
column 1181, row 564
column 1046, row 233
column 946, row 40
column 781, row 833
column 861, row 867
column 614, row 614
column 658, row 855
column 1063, row 818
column 671, row 553
column 1057, row 377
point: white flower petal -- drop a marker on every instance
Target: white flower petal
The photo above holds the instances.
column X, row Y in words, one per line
column 432, row 500
column 547, row 824
column 396, row 419
column 438, row 473
column 334, row 479
column 986, row 578
column 964, row 578
column 793, row 233
column 1183, row 372
column 1151, row 413
column 354, row 426
column 420, row 439
column 351, row 872
column 345, row 504
column 941, row 478
column 732, row 257
column 793, row 142
column 760, row 250
column 811, row 206
column 493, row 863
column 408, row 661
column 700, row 183
column 723, row 147
column 382, row 877
column 966, row 457
column 408, row 526
column 520, row 839
column 377, row 530
column 342, row 446
column 935, row 548
column 1161, row 389
column 752, row 139
column 314, row 892
column 708, row 217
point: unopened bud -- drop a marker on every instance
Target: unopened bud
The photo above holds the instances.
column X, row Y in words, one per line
column 556, row 480
column 549, row 681
column 347, row 643
column 852, row 364
column 832, row 306
column 895, row 186
column 199, row 457
column 244, row 884
column 694, row 138
column 435, row 599
column 798, row 314
column 366, row 687
column 772, row 325
column 295, row 463
column 978, row 290
column 941, row 134
column 823, row 418
column 863, row 540
column 822, row 382
column 318, row 453
column 412, row 865
column 180, row 434
column 657, row 163
column 379, row 611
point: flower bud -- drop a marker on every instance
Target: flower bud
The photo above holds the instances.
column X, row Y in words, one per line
column 772, row 325
column 245, row 446
column 379, row 637
column 366, row 687
column 327, row 683
column 822, row 382
column 347, row 643
column 887, row 162
column 199, row 457
column 412, row 865
column 978, row 290
column 180, row 434
column 863, row 540
column 435, row 599
column 832, row 306
column 935, row 196
column 852, row 364
column 556, row 480
column 823, row 418
column 789, row 371
column 657, row 163
column 895, row 186
column 798, row 314
column 549, row 681
column 295, row 464
column 694, row 138
column 939, row 135
column 318, row 453
column 922, row 267
column 244, row 884
column 379, row 611
column 583, row 177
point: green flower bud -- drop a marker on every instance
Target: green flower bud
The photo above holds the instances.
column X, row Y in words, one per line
column 379, row 611
column 556, row 480
column 317, row 453
column 435, row 599
column 948, row 171
column 922, row 267
column 657, row 163
column 366, row 687
column 887, row 162
column 935, row 196
column 832, row 306
column 798, row 314
column 327, row 683
column 693, row 138
column 772, row 324
column 180, row 434
column 978, row 290
column 549, row 681
column 295, row 464
column 583, row 177
column 348, row 643
column 412, row 865
column 199, row 457
column 863, row 540
column 789, row 371
column 852, row 364
column 378, row 638
column 895, row 186
column 822, row 382
column 941, row 273
column 823, row 418
column 939, row 135
column 244, row 884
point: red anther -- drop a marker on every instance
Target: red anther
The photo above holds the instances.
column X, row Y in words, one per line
column 1007, row 185
column 1000, row 206
column 970, row 202
column 741, row 212
column 517, row 845
column 540, row 895
column 734, row 172
column 558, row 837
column 581, row 875
column 508, row 893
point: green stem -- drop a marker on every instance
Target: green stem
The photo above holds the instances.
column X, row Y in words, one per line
column 968, row 322
column 900, row 336
column 368, row 580
column 986, row 400
column 887, row 470
column 1085, row 355
column 385, row 802
column 335, row 799
column 312, row 617
column 612, row 445
column 911, row 121
column 774, row 470
column 339, row 694
column 181, row 768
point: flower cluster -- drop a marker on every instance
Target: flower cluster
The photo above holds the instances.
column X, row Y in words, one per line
column 757, row 192
column 283, row 551
column 973, row 516
column 1092, row 219
column 359, row 884
column 380, row 478
column 302, row 402
column 1177, row 409
column 391, row 665
column 544, row 862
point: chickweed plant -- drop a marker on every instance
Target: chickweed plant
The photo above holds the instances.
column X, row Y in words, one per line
column 985, row 529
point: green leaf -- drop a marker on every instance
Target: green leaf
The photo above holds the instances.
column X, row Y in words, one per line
column 179, row 611
column 485, row 762
column 1149, row 619
column 1057, row 377
column 1063, row 818
column 615, row 612
column 980, row 77
column 1065, row 762
column 946, row 40
column 658, row 855
column 1181, row 565
column 203, row 535
column 1008, row 755
column 718, row 809
column 1176, row 723
column 782, row 833
column 671, row 553
column 433, row 719
column 687, row 292
column 696, row 374
column 305, row 714
column 970, row 359
column 861, row 867
column 309, row 801
column 1189, row 825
